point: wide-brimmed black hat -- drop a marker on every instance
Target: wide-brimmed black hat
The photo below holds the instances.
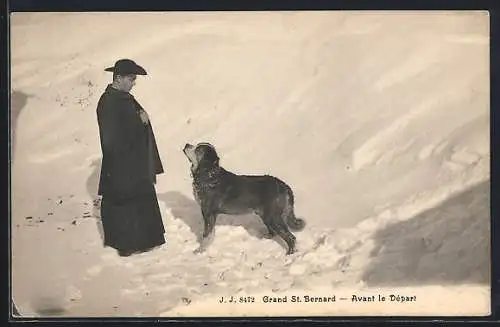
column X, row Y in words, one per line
column 126, row 67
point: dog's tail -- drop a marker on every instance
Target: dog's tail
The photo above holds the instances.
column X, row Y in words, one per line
column 295, row 224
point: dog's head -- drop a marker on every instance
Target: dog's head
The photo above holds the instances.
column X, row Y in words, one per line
column 201, row 155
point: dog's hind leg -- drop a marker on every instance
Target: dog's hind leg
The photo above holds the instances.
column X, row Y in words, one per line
column 264, row 216
column 282, row 230
column 271, row 230
column 282, row 209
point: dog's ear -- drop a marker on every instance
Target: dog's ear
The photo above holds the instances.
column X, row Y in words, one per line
column 211, row 156
column 216, row 161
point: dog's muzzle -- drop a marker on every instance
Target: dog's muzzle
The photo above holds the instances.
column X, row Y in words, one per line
column 189, row 152
column 187, row 147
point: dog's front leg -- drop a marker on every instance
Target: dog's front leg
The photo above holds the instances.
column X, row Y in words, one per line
column 209, row 219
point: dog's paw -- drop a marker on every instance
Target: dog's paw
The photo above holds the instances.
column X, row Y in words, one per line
column 291, row 251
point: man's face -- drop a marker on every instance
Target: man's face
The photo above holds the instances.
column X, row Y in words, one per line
column 127, row 82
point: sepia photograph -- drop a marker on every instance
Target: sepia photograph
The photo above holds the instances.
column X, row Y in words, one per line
column 250, row 164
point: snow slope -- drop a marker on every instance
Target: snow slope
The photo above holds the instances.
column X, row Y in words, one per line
column 379, row 122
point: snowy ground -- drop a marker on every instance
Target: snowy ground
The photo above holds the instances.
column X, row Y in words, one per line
column 379, row 122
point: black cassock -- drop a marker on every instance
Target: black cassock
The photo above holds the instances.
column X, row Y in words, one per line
column 130, row 214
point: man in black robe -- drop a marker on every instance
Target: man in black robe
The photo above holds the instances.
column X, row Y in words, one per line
column 130, row 214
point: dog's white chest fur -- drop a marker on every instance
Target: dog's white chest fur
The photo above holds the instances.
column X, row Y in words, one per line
column 196, row 194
